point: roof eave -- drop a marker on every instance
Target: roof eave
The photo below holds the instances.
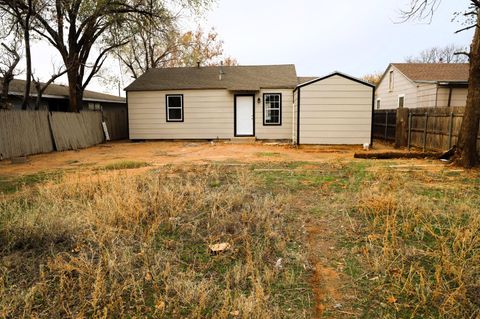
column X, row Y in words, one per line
column 442, row 82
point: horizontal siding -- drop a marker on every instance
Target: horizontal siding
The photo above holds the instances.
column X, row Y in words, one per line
column 273, row 132
column 336, row 121
column 335, row 140
column 426, row 96
column 459, row 97
column 336, row 110
column 208, row 114
column 402, row 86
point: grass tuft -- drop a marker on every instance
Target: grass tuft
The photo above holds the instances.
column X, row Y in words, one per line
column 10, row 184
column 125, row 165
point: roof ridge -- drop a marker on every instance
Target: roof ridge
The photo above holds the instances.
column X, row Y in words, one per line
column 225, row 66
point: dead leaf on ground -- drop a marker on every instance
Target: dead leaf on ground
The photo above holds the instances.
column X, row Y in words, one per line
column 392, row 299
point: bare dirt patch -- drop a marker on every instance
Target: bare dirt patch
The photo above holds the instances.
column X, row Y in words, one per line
column 160, row 153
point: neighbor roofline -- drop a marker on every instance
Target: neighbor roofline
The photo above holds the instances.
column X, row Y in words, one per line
column 64, row 97
column 398, row 70
column 443, row 82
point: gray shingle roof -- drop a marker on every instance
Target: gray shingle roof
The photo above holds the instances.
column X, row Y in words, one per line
column 61, row 91
column 234, row 78
column 304, row 79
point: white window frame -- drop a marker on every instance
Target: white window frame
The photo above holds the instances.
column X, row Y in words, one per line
column 269, row 108
column 398, row 100
column 168, row 107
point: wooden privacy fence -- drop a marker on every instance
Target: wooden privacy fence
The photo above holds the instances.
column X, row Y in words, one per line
column 384, row 124
column 429, row 128
column 76, row 130
column 32, row 132
column 24, row 133
column 117, row 123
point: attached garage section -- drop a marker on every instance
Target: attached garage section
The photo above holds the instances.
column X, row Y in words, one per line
column 336, row 109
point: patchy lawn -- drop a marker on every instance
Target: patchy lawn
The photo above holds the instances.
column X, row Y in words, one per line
column 326, row 238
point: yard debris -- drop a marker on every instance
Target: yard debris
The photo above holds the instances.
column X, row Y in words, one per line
column 337, row 306
column 421, row 155
column 148, row 276
column 218, row 248
column 160, row 305
column 235, row 313
column 392, row 155
column 19, row 160
column 392, row 299
column 278, row 264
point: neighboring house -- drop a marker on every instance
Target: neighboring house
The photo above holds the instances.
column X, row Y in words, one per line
column 414, row 85
column 55, row 98
column 264, row 102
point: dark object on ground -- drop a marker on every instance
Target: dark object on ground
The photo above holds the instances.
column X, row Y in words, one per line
column 449, row 154
column 391, row 155
column 19, row 160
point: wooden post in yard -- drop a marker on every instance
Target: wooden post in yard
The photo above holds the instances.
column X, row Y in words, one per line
column 409, row 129
column 450, row 129
column 425, row 132
column 401, row 127
column 386, row 125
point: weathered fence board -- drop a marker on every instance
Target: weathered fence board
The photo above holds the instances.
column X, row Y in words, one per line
column 384, row 124
column 24, row 133
column 33, row 132
column 429, row 128
column 117, row 123
column 76, row 130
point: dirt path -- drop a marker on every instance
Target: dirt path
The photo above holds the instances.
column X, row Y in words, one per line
column 332, row 289
column 160, row 153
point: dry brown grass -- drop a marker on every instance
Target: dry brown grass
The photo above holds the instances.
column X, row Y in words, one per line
column 137, row 246
column 422, row 244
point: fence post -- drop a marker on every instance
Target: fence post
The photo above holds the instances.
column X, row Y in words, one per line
column 409, row 129
column 386, row 125
column 402, row 119
column 450, row 129
column 425, row 132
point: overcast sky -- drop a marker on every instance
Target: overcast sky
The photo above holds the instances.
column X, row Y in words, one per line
column 318, row 36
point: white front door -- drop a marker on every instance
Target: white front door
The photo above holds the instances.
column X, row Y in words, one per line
column 244, row 105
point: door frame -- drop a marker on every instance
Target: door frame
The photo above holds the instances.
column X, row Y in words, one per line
column 235, row 115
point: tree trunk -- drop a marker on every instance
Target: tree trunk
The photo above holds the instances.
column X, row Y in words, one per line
column 28, row 57
column 75, row 90
column 38, row 88
column 466, row 155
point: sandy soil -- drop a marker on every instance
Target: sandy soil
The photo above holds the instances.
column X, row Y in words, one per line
column 161, row 153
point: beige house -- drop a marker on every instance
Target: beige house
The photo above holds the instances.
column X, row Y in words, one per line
column 265, row 102
column 414, row 85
